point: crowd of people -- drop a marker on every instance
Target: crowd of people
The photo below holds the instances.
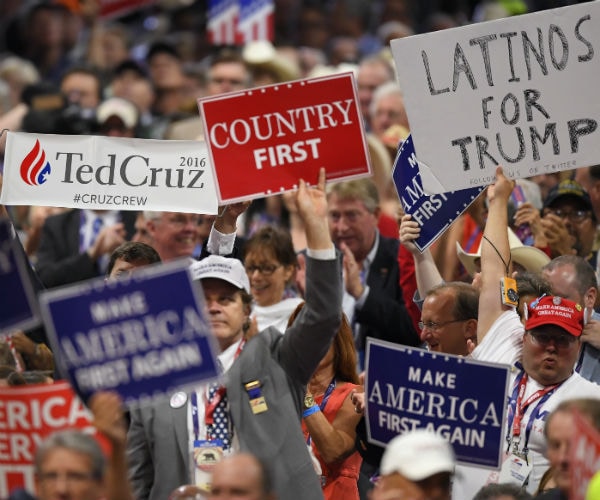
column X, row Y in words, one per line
column 295, row 284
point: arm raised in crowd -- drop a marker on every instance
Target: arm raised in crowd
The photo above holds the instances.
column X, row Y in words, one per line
column 495, row 254
column 109, row 419
column 426, row 271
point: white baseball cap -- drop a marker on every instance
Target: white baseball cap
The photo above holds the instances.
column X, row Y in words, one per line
column 221, row 268
column 417, row 455
column 123, row 109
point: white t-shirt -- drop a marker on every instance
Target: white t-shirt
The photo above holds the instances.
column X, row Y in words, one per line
column 276, row 315
column 503, row 344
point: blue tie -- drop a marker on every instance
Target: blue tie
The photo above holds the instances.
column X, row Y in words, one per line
column 220, row 426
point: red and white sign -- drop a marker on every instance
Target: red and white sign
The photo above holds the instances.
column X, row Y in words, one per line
column 262, row 140
column 107, row 173
column 585, row 456
column 28, row 414
column 110, row 9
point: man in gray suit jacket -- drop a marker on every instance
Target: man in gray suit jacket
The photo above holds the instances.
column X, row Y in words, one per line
column 265, row 377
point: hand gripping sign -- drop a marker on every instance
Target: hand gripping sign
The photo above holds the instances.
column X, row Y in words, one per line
column 261, row 141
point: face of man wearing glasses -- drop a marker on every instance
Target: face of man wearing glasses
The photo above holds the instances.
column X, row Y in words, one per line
column 173, row 234
column 227, row 77
column 268, row 277
column 440, row 329
column 66, row 474
column 578, row 220
column 549, row 354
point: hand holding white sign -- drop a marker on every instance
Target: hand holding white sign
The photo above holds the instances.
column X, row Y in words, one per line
column 226, row 221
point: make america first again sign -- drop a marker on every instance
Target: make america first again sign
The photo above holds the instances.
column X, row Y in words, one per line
column 520, row 92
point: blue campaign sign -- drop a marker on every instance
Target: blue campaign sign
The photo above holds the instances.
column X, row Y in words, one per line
column 143, row 337
column 460, row 399
column 18, row 305
column 434, row 213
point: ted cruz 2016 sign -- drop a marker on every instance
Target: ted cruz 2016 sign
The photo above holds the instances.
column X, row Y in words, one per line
column 28, row 414
column 18, row 306
column 107, row 173
column 261, row 141
column 434, row 213
column 142, row 337
column 521, row 92
column 409, row 388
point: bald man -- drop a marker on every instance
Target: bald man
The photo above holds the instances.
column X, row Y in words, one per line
column 241, row 476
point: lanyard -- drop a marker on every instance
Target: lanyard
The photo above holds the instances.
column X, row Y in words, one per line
column 324, row 401
column 518, row 408
column 580, row 360
column 211, row 404
column 327, row 394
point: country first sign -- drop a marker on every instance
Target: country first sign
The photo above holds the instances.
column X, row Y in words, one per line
column 261, row 141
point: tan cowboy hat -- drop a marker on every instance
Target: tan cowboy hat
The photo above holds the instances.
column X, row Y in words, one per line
column 262, row 55
column 532, row 259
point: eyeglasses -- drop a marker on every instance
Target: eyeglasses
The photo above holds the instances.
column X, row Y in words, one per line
column 432, row 325
column 231, row 81
column 562, row 340
column 351, row 216
column 181, row 221
column 574, row 216
column 69, row 477
column 265, row 270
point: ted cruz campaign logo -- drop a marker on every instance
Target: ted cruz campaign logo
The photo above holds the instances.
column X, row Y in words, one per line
column 34, row 167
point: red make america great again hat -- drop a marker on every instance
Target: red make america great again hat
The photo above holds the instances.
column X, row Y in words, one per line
column 552, row 310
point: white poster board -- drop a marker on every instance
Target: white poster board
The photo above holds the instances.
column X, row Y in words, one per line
column 521, row 92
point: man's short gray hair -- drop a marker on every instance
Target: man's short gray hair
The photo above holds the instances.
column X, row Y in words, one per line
column 76, row 441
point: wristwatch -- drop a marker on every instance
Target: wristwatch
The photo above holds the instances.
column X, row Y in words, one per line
column 309, row 401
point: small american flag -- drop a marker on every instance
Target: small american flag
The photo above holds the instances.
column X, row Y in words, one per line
column 236, row 22
column 256, row 20
column 222, row 21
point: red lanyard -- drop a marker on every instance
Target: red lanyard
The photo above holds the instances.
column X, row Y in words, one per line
column 210, row 406
column 521, row 406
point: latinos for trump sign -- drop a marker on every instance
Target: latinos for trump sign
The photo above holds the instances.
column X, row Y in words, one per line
column 18, row 306
column 409, row 389
column 107, row 173
column 28, row 414
column 434, row 213
column 520, row 92
column 261, row 141
column 142, row 338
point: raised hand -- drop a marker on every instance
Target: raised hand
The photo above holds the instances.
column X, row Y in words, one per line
column 409, row 231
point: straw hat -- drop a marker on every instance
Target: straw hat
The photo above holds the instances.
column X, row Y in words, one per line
column 532, row 259
column 263, row 56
